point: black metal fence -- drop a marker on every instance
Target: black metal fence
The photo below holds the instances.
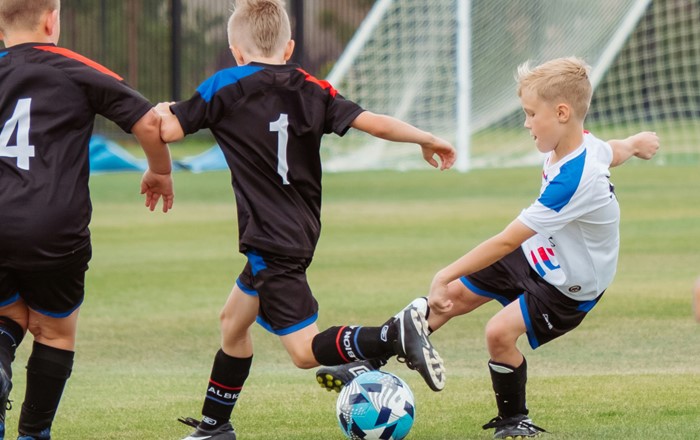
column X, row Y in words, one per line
column 166, row 48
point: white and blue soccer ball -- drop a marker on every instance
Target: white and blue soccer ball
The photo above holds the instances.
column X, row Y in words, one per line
column 376, row 405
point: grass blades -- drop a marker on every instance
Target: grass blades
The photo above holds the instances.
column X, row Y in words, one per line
column 148, row 329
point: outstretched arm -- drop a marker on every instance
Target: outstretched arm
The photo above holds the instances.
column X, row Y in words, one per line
column 157, row 181
column 482, row 256
column 643, row 145
column 392, row 129
column 170, row 127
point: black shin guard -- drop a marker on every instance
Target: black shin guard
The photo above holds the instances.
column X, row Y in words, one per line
column 509, row 386
column 48, row 369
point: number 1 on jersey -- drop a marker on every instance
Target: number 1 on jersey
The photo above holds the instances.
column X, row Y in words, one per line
column 280, row 126
column 20, row 121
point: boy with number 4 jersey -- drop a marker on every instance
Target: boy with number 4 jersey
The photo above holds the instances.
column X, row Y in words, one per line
column 49, row 97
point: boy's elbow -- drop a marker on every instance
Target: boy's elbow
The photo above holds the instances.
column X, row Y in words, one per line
column 148, row 126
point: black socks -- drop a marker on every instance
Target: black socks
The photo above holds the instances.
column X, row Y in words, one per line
column 228, row 375
column 342, row 345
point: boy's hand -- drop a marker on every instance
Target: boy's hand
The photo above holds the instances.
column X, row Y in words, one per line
column 645, row 144
column 444, row 150
column 170, row 128
column 438, row 299
column 163, row 108
column 156, row 186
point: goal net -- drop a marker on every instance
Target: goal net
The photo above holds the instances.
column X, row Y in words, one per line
column 448, row 66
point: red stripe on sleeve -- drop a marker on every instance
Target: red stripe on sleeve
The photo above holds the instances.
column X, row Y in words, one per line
column 88, row 62
column 324, row 84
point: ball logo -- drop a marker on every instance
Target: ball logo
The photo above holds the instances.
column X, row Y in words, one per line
column 575, row 289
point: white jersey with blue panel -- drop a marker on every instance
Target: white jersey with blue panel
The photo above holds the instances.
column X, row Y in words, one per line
column 577, row 220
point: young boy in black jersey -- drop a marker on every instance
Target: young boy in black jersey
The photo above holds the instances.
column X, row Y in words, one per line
column 49, row 97
column 269, row 117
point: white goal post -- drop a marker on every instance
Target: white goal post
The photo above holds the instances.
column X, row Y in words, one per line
column 448, row 66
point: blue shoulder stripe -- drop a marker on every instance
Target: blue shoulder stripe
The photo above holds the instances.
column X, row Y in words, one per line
column 2, row 54
column 562, row 188
column 225, row 78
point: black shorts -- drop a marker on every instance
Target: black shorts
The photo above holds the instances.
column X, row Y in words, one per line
column 286, row 301
column 547, row 312
column 56, row 291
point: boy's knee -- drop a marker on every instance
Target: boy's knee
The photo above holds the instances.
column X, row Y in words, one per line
column 496, row 334
column 303, row 359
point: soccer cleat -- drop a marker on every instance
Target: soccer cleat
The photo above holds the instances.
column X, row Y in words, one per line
column 421, row 304
column 223, row 432
column 413, row 346
column 334, row 378
column 43, row 435
column 518, row 426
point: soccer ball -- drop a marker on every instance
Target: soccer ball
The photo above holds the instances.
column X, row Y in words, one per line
column 376, row 405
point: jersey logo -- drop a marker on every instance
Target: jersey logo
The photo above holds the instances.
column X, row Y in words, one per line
column 543, row 261
column 324, row 84
column 74, row 56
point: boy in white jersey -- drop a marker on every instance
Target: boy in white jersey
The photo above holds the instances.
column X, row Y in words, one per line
column 551, row 265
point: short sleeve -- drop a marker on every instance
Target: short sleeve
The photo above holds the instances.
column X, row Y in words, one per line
column 340, row 113
column 113, row 98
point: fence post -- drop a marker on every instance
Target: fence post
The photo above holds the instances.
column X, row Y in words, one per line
column 176, row 49
column 298, row 12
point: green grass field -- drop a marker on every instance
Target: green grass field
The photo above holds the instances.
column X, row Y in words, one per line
column 149, row 328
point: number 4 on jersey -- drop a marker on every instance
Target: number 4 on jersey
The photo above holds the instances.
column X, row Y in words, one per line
column 19, row 121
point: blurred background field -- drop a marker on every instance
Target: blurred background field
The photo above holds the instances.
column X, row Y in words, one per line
column 149, row 327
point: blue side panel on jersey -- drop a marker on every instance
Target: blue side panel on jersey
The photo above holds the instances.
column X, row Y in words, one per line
column 256, row 262
column 587, row 306
column 2, row 54
column 562, row 188
column 224, row 78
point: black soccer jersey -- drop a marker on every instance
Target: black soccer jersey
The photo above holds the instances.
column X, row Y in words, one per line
column 269, row 120
column 49, row 97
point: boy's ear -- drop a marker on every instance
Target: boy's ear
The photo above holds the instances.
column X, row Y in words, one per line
column 563, row 113
column 51, row 24
column 289, row 50
column 238, row 55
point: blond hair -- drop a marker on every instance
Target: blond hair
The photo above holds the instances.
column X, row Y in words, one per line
column 559, row 80
column 24, row 14
column 259, row 27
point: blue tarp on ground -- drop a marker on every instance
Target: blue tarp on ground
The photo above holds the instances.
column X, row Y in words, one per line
column 209, row 160
column 107, row 156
